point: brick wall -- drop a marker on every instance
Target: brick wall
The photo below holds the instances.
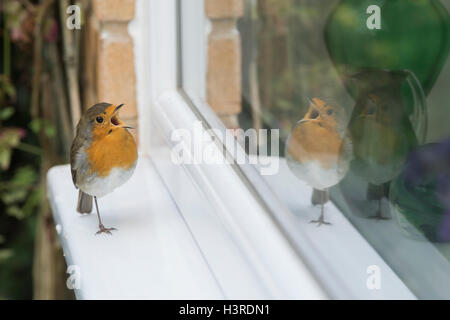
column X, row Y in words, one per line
column 109, row 58
column 223, row 83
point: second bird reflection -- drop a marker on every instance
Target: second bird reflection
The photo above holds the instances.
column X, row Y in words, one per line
column 319, row 151
column 381, row 132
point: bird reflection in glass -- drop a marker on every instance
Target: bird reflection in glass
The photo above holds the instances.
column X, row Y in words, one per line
column 381, row 131
column 318, row 150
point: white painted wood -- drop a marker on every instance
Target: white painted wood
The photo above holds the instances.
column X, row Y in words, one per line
column 195, row 28
column 154, row 33
column 342, row 249
column 162, row 253
column 277, row 271
column 151, row 256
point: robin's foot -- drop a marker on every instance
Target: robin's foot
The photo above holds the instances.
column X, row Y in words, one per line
column 320, row 222
column 379, row 216
column 102, row 229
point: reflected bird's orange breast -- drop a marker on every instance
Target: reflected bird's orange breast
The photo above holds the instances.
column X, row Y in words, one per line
column 311, row 142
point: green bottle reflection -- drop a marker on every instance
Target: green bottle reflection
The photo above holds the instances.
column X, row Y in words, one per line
column 413, row 35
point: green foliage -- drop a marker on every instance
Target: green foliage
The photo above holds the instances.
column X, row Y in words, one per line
column 36, row 125
column 20, row 191
column 9, row 139
column 16, row 257
column 7, row 88
column 21, row 196
column 5, row 254
column 6, row 113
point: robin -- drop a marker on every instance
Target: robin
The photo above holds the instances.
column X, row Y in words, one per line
column 319, row 151
column 102, row 157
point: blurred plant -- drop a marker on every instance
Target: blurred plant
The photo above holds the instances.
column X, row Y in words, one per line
column 20, row 21
column 35, row 129
column 19, row 193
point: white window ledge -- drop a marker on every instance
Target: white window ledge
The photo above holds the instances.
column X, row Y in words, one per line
column 343, row 254
column 151, row 256
column 154, row 255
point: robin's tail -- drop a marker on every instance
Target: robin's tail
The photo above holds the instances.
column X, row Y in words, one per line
column 84, row 202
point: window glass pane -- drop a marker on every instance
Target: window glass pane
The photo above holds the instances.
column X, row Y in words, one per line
column 358, row 90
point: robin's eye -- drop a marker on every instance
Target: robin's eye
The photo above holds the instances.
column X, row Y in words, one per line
column 99, row 119
column 329, row 112
column 314, row 114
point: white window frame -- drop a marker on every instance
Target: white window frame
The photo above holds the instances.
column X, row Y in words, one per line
column 252, row 252
column 250, row 268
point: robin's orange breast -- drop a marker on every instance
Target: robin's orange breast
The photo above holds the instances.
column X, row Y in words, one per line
column 116, row 150
column 311, row 142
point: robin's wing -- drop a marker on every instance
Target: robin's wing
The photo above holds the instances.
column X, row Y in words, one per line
column 74, row 177
column 76, row 156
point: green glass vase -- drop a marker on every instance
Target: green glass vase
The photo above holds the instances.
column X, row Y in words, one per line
column 414, row 35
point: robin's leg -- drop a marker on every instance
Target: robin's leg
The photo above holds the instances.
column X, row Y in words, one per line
column 379, row 215
column 323, row 200
column 377, row 192
column 102, row 229
column 319, row 197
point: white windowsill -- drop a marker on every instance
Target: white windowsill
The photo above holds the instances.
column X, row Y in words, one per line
column 151, row 256
column 344, row 252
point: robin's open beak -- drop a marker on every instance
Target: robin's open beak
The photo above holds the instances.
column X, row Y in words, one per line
column 302, row 121
column 118, row 108
column 126, row 127
column 116, row 121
